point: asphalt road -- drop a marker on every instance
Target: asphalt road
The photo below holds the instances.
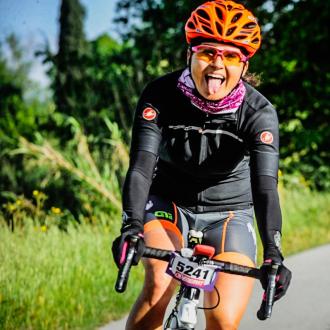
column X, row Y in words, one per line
column 306, row 305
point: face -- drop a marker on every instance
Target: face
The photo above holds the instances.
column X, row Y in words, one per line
column 215, row 74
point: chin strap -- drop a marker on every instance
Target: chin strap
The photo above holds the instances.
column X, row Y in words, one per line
column 241, row 77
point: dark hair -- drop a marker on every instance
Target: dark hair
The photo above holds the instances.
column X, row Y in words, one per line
column 252, row 78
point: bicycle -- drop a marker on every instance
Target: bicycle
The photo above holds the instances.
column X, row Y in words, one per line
column 196, row 271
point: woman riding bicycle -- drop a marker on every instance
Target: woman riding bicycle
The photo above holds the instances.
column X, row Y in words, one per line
column 204, row 155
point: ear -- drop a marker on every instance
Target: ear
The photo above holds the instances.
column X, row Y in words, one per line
column 188, row 55
column 246, row 67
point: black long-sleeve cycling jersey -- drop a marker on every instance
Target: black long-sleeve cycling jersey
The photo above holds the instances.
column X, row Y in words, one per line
column 205, row 162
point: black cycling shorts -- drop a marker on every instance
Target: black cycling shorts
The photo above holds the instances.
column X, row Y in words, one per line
column 231, row 233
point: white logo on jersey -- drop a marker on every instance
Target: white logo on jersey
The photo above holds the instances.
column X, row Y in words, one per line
column 149, row 205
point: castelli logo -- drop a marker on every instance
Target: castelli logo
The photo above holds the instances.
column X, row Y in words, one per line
column 149, row 114
column 266, row 137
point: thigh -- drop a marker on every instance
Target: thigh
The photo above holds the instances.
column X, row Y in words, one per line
column 235, row 241
column 233, row 237
column 165, row 226
column 235, row 292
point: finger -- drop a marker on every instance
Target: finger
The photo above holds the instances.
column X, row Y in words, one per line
column 284, row 280
column 123, row 253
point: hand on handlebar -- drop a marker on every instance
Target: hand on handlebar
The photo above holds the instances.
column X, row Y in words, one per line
column 120, row 245
column 275, row 279
column 282, row 279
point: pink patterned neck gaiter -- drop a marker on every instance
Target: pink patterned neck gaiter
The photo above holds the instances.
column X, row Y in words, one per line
column 228, row 104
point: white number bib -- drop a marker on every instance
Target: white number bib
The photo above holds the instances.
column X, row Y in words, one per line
column 190, row 273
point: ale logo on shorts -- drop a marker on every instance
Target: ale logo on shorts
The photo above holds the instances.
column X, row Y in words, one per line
column 149, row 114
column 164, row 215
column 266, row 137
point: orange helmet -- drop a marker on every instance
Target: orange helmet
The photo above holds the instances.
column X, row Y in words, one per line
column 225, row 21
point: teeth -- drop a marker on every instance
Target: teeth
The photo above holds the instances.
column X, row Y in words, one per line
column 216, row 76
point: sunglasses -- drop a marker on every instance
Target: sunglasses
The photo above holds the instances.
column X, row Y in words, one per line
column 209, row 54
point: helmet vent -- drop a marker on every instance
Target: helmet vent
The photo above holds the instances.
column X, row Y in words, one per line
column 230, row 31
column 219, row 13
column 229, row 7
column 203, row 13
column 255, row 41
column 191, row 25
column 207, row 29
column 240, row 37
column 250, row 25
column 219, row 28
column 236, row 17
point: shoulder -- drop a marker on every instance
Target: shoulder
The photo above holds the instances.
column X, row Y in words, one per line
column 257, row 112
column 255, row 101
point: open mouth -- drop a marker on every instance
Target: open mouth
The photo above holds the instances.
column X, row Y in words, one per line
column 214, row 82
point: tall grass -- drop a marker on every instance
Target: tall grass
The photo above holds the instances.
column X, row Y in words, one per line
column 306, row 219
column 100, row 170
column 59, row 280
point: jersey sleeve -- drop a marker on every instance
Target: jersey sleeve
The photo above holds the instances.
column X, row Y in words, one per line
column 146, row 137
column 263, row 144
column 146, row 133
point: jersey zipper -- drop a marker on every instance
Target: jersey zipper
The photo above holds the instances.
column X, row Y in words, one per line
column 202, row 156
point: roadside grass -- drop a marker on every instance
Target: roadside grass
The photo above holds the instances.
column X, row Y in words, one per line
column 306, row 220
column 65, row 280
column 58, row 280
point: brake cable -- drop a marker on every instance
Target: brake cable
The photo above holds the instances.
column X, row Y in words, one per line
column 216, row 305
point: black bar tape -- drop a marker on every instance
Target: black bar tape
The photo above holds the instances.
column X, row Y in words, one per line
column 157, row 254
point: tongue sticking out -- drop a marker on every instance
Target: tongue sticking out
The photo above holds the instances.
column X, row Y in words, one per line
column 213, row 85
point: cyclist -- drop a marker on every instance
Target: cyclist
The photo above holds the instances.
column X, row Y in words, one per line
column 204, row 156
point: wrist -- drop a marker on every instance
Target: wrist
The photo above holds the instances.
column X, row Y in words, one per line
column 274, row 255
column 132, row 225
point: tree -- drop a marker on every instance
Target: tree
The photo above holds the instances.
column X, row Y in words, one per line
column 72, row 91
column 20, row 114
column 112, row 79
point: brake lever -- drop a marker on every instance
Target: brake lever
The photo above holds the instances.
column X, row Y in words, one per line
column 266, row 307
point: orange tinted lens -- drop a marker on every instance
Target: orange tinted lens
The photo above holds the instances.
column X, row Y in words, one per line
column 206, row 54
column 209, row 54
column 231, row 58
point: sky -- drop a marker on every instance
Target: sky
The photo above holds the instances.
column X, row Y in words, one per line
column 35, row 21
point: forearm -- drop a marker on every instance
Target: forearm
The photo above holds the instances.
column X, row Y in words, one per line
column 137, row 184
column 268, row 214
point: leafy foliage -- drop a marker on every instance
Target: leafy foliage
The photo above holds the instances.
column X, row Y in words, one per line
column 20, row 114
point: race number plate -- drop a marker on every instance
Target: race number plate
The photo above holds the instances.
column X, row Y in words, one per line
column 191, row 273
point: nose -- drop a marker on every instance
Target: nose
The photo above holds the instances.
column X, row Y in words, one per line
column 218, row 62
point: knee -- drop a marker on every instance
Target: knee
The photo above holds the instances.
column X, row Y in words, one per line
column 158, row 286
column 158, row 293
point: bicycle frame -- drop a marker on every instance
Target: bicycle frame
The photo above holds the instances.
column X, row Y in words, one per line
column 184, row 313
